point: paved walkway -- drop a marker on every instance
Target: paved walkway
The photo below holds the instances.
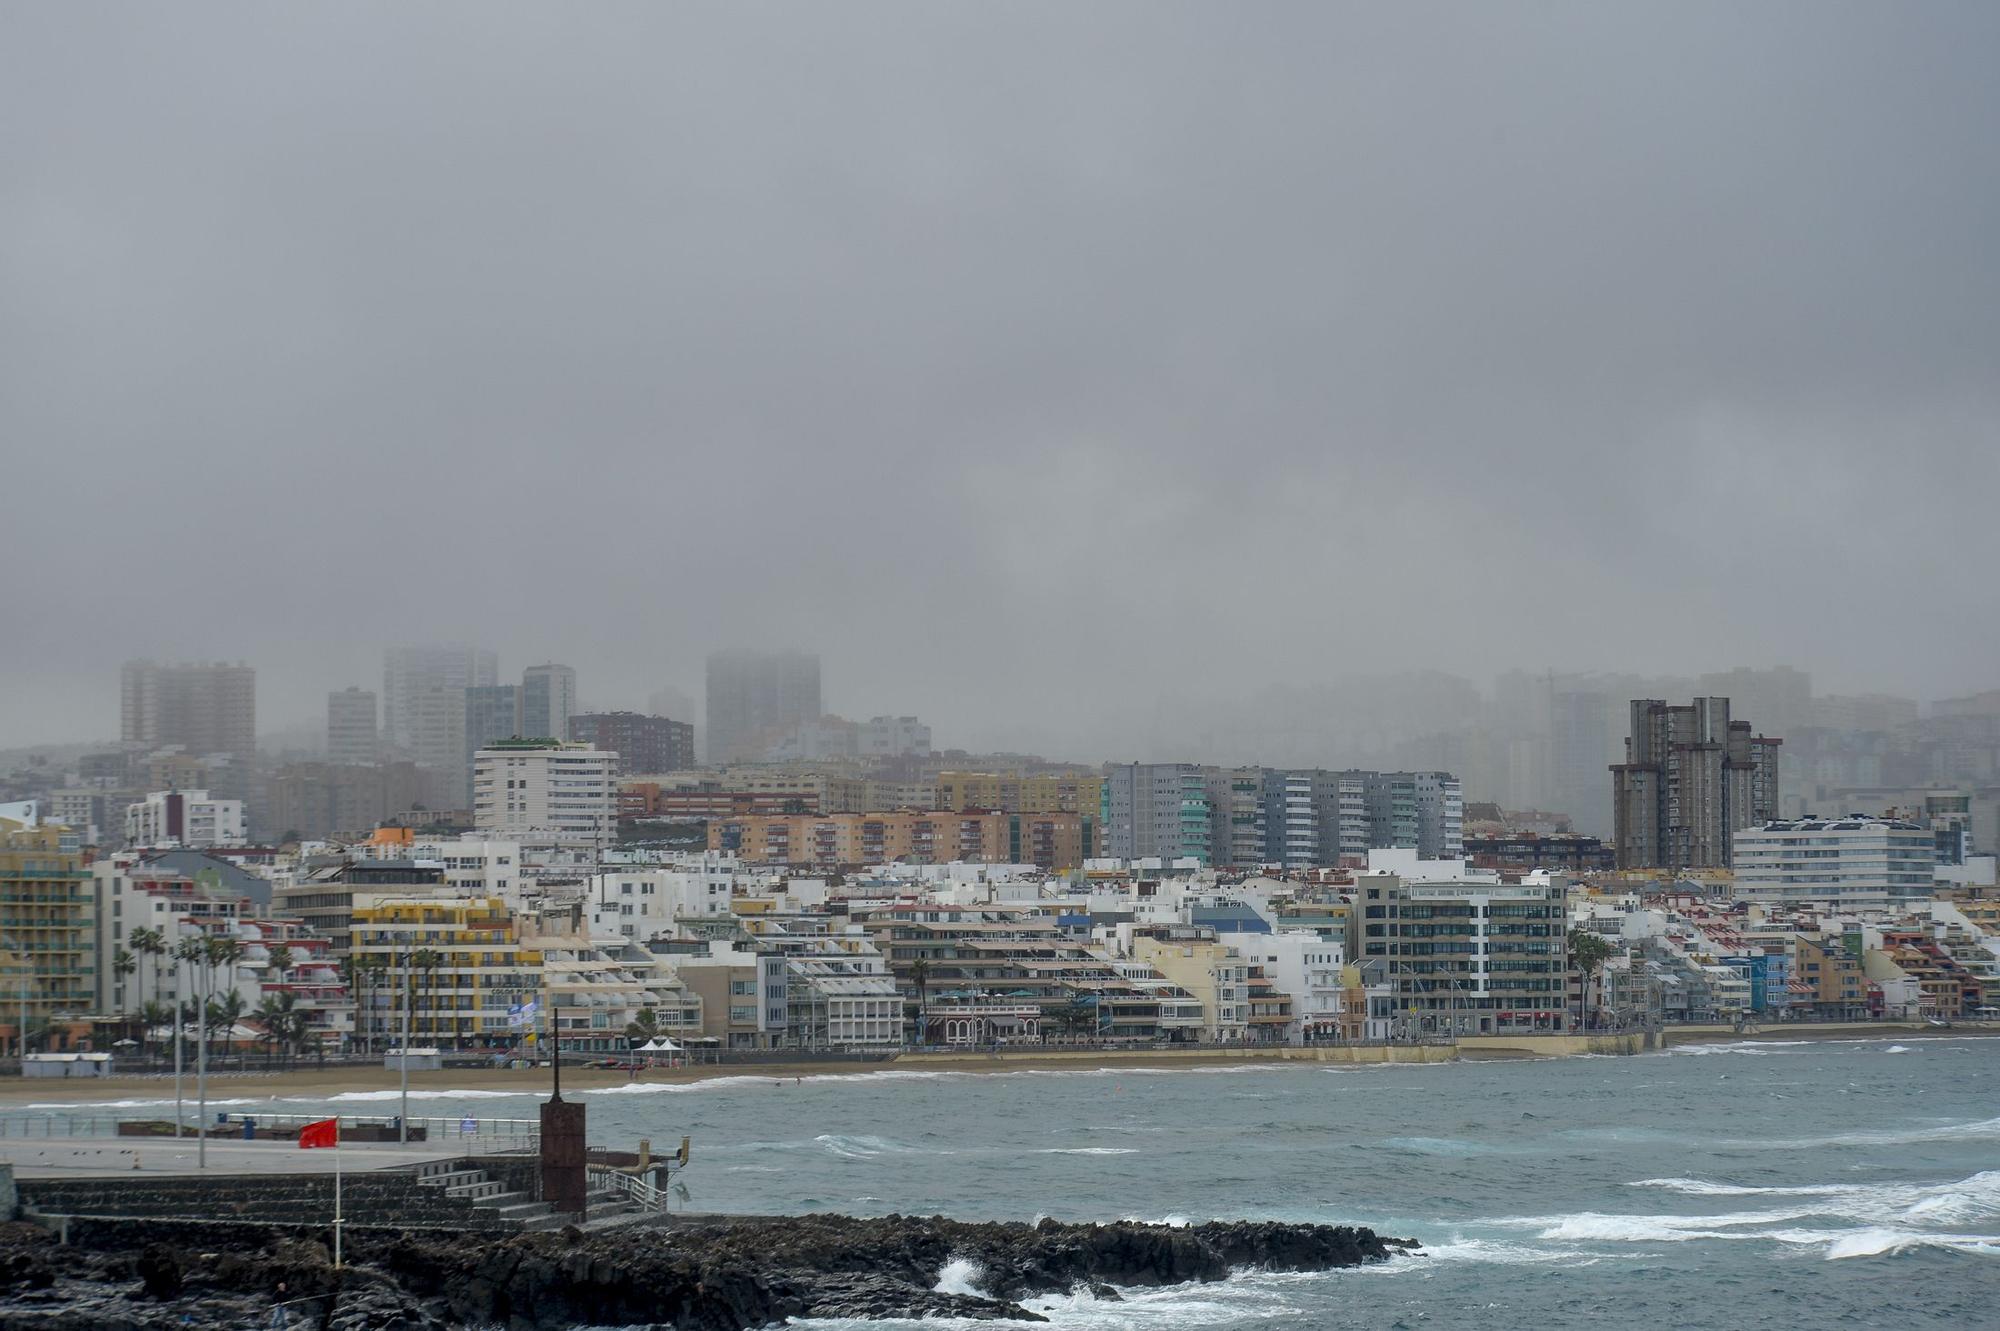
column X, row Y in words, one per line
column 82, row 1157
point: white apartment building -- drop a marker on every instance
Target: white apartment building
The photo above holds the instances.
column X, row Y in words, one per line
column 473, row 866
column 184, row 818
column 542, row 791
column 1852, row 861
column 839, row 992
column 1463, row 952
column 1306, row 966
column 643, row 904
column 130, row 897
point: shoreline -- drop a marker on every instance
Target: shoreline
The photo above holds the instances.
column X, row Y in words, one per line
column 725, row 1273
column 321, row 1084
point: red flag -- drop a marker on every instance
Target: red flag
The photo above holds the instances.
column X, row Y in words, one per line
column 326, row 1132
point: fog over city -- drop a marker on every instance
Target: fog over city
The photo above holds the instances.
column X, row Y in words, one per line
column 1077, row 377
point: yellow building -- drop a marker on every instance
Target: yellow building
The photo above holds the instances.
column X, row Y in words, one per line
column 47, row 926
column 1049, row 793
column 1211, row 971
column 462, row 962
column 482, row 969
column 1051, row 840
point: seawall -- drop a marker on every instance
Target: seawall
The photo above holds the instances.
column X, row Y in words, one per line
column 1553, row 1046
column 1063, row 1059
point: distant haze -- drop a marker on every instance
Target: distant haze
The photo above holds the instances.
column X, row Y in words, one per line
column 1038, row 365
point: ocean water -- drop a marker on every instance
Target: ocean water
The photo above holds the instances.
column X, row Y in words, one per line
column 1776, row 1184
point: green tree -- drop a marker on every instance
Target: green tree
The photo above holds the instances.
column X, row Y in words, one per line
column 274, row 1014
column 422, row 977
column 153, row 1014
column 354, row 974
column 220, row 1015
column 1077, row 1016
column 645, row 1028
column 1587, row 954
column 190, row 955
column 150, row 944
column 920, row 974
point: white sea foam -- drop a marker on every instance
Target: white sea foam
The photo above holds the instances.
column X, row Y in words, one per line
column 1897, row 1049
column 1244, row 1297
column 1889, row 1217
column 859, row 1147
column 1695, row 1187
column 1594, row 1226
column 352, row 1097
column 1976, row 1130
column 1885, row 1241
column 1087, row 1150
column 752, row 1081
column 1957, row 1202
column 1497, row 1252
column 79, row 1106
column 961, row 1276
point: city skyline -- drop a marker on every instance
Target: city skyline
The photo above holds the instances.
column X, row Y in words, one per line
column 1539, row 700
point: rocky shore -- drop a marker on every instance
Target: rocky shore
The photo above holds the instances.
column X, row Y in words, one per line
column 694, row 1275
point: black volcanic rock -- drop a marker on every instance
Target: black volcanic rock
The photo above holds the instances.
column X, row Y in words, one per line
column 711, row 1274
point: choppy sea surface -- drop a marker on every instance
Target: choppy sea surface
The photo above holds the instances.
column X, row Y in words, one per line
column 1742, row 1185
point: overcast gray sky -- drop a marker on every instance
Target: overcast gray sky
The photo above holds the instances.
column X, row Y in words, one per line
column 1031, row 362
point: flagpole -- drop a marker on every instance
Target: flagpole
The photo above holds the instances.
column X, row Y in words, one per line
column 336, row 1192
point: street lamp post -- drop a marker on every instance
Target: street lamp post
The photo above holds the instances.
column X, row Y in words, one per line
column 403, row 1117
column 201, row 1061
column 180, row 1007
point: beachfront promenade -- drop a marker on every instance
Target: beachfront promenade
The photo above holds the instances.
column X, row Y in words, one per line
column 101, row 1157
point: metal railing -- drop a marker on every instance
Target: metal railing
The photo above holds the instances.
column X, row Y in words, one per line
column 503, row 1134
column 638, row 1189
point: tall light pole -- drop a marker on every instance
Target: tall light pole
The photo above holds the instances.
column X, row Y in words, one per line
column 201, row 1059
column 180, row 1000
column 403, row 1117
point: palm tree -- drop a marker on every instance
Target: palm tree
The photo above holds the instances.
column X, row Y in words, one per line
column 645, row 1028
column 360, row 973
column 123, row 965
column 282, row 960
column 153, row 1013
column 354, row 974
column 377, row 971
column 1587, row 954
column 151, row 944
column 920, row 974
column 221, row 1015
column 424, row 965
column 275, row 1014
column 189, row 953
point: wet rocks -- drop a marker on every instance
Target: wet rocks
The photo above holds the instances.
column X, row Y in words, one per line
column 710, row 1274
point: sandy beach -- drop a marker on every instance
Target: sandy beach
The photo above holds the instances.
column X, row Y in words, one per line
column 309, row 1083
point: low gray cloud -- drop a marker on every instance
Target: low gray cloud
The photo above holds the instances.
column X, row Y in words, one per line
column 1034, row 363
